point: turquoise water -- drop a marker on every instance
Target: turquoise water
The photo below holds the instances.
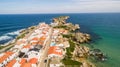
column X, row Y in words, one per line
column 109, row 44
column 103, row 27
column 107, row 26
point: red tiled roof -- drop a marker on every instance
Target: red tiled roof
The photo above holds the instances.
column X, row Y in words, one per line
column 20, row 42
column 40, row 43
column 44, row 32
column 26, row 65
column 23, row 60
column 11, row 63
column 27, row 46
column 9, row 52
column 33, row 60
column 34, row 43
column 5, row 56
column 55, row 50
column 35, row 38
column 42, row 38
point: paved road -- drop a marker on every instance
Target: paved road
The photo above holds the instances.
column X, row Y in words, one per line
column 45, row 50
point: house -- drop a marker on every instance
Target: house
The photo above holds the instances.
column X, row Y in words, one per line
column 54, row 51
column 26, row 48
column 22, row 61
column 32, row 54
column 26, row 65
column 35, row 39
column 55, row 62
column 11, row 63
column 33, row 60
column 6, row 58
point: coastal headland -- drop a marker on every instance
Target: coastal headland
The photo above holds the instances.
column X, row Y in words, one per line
column 59, row 44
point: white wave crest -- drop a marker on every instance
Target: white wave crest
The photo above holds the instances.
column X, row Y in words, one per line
column 5, row 37
column 9, row 36
column 15, row 32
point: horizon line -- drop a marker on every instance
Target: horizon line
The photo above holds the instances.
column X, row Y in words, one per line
column 60, row 13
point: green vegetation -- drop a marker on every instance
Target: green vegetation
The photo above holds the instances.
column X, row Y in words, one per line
column 1, row 47
column 75, row 39
column 21, row 36
column 67, row 35
column 9, row 47
column 62, row 17
column 70, row 62
column 24, row 32
column 70, row 49
column 32, row 27
column 72, row 45
column 60, row 26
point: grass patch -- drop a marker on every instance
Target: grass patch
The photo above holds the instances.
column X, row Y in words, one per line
column 9, row 48
column 70, row 62
column 21, row 36
column 67, row 35
column 72, row 46
column 70, row 49
column 1, row 47
column 61, row 26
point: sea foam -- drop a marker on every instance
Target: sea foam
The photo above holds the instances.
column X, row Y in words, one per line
column 14, row 33
column 8, row 37
column 5, row 38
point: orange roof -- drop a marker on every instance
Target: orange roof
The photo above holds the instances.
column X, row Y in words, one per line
column 4, row 57
column 54, row 50
column 34, row 43
column 9, row 52
column 20, row 42
column 23, row 60
column 40, row 43
column 11, row 63
column 44, row 32
column 26, row 65
column 33, row 60
column 42, row 38
column 35, row 38
column 27, row 46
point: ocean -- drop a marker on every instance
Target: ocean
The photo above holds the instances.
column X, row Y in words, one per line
column 103, row 27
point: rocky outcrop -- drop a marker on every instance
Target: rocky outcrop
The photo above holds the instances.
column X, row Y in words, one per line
column 81, row 37
column 81, row 51
column 60, row 20
column 97, row 54
column 72, row 27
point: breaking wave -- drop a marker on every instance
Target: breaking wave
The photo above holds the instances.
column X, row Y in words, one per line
column 9, row 36
column 14, row 33
column 5, row 38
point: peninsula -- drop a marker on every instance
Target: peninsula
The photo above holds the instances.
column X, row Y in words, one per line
column 58, row 44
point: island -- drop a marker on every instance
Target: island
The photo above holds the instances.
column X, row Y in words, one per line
column 58, row 44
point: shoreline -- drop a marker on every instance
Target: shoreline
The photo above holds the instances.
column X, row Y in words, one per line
column 77, row 52
column 13, row 40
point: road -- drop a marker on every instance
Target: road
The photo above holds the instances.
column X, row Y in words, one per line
column 45, row 50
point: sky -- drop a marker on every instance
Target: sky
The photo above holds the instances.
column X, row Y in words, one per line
column 58, row 6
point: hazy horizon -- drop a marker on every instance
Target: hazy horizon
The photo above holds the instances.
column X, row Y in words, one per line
column 58, row 6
